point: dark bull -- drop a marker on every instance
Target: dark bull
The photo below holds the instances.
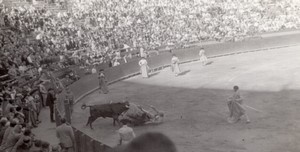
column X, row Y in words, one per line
column 110, row 110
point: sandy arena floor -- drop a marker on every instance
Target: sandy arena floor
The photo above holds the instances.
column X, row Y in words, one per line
column 195, row 104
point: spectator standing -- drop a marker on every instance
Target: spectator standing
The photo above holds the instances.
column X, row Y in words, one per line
column 32, row 111
column 50, row 101
column 43, row 93
column 37, row 101
column 126, row 134
column 66, row 137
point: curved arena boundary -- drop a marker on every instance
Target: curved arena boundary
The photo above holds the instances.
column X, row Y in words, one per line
column 89, row 83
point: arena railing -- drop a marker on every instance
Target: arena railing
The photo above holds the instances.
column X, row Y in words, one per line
column 89, row 83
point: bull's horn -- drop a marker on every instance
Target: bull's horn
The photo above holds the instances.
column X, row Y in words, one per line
column 83, row 106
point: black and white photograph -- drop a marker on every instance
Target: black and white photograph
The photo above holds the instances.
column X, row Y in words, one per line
column 149, row 75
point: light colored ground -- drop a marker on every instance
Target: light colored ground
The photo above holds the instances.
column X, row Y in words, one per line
column 195, row 104
column 46, row 130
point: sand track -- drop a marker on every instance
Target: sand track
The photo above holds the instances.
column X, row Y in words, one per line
column 195, row 105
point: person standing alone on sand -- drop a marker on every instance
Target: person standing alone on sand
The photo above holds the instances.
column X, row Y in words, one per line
column 144, row 67
column 203, row 58
column 175, row 65
column 236, row 108
column 102, row 82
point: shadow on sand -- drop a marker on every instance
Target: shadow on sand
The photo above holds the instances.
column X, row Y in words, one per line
column 184, row 72
column 209, row 62
column 153, row 74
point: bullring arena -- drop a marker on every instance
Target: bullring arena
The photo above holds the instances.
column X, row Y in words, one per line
column 195, row 103
column 58, row 57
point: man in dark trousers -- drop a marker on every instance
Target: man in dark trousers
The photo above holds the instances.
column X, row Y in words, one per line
column 66, row 137
column 50, row 101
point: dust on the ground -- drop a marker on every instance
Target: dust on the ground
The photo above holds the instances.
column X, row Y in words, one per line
column 195, row 104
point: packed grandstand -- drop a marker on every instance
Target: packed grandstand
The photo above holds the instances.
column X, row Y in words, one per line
column 35, row 41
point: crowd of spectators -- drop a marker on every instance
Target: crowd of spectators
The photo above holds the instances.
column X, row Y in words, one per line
column 21, row 103
column 99, row 29
column 24, row 83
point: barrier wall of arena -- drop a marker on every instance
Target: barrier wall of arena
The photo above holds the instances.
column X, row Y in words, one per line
column 89, row 83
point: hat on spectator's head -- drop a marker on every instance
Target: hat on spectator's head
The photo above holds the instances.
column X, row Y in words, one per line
column 45, row 144
column 13, row 123
column 3, row 121
column 55, row 148
column 38, row 143
column 63, row 120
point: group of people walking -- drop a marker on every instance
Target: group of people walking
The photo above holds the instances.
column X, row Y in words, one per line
column 145, row 69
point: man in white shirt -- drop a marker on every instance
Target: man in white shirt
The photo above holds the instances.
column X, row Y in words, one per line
column 126, row 134
column 22, row 68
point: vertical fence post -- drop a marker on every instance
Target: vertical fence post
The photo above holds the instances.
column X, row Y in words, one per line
column 67, row 111
column 83, row 142
column 56, row 115
column 77, row 139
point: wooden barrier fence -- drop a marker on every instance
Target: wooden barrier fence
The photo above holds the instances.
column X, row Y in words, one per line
column 85, row 143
